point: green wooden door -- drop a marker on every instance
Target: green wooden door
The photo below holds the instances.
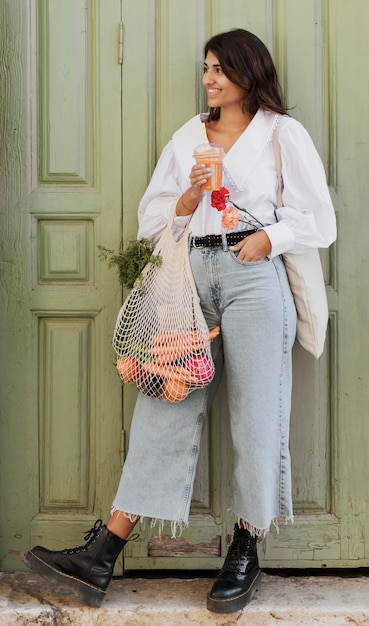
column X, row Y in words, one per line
column 69, row 149
column 61, row 429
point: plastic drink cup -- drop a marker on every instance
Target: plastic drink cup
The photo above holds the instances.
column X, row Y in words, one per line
column 211, row 155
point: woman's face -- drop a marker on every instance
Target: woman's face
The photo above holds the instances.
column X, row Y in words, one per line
column 220, row 90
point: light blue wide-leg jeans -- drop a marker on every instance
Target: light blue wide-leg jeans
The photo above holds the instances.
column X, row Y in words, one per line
column 253, row 305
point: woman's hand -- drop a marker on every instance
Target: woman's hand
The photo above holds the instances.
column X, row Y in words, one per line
column 198, row 177
column 190, row 199
column 254, row 247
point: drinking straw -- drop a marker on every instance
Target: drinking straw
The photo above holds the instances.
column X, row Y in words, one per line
column 206, row 140
column 203, row 119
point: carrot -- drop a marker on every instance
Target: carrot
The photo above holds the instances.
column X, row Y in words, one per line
column 214, row 332
column 181, row 373
column 168, row 360
column 169, row 371
column 154, row 368
column 190, row 335
column 199, row 341
column 166, row 354
column 167, row 338
column 169, row 347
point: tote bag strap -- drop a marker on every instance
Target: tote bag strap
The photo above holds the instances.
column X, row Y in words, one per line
column 278, row 161
column 306, row 280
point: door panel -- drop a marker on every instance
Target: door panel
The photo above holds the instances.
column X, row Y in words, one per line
column 64, row 92
column 75, row 206
column 61, row 393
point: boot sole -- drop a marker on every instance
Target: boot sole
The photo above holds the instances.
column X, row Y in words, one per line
column 230, row 605
column 91, row 595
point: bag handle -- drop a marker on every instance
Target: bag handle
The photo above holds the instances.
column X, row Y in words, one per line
column 278, row 161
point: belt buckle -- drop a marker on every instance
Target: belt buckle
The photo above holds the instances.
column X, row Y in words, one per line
column 193, row 244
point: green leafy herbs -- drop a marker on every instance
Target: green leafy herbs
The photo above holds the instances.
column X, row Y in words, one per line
column 131, row 261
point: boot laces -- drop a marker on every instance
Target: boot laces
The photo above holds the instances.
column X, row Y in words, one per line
column 90, row 537
column 240, row 548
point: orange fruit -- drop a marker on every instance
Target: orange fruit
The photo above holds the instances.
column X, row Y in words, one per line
column 128, row 369
column 174, row 390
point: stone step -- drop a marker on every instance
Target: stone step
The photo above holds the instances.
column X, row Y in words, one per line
column 295, row 600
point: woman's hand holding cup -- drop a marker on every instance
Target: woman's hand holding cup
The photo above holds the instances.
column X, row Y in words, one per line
column 205, row 175
column 199, row 176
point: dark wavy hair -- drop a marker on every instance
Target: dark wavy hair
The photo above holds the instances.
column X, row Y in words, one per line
column 247, row 62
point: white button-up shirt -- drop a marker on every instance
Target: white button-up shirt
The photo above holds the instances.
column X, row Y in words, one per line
column 307, row 218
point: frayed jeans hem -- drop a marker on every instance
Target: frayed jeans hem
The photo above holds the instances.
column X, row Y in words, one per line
column 177, row 527
column 262, row 532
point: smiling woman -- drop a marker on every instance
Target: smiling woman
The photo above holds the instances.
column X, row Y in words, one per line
column 216, row 84
column 243, row 289
column 253, row 72
column 226, row 95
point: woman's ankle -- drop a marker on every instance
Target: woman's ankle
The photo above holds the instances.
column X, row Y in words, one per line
column 121, row 524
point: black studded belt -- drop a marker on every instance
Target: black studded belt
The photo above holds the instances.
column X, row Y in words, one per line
column 216, row 241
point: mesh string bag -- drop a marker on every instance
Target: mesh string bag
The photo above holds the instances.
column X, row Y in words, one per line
column 161, row 337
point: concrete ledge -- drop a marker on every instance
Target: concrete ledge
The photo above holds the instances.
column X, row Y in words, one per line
column 291, row 601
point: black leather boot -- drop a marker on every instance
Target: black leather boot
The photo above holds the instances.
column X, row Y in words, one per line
column 239, row 576
column 85, row 570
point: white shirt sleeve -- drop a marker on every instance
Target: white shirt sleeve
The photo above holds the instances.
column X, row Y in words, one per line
column 162, row 193
column 307, row 218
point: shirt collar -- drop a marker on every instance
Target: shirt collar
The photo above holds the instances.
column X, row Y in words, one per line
column 242, row 157
column 246, row 152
